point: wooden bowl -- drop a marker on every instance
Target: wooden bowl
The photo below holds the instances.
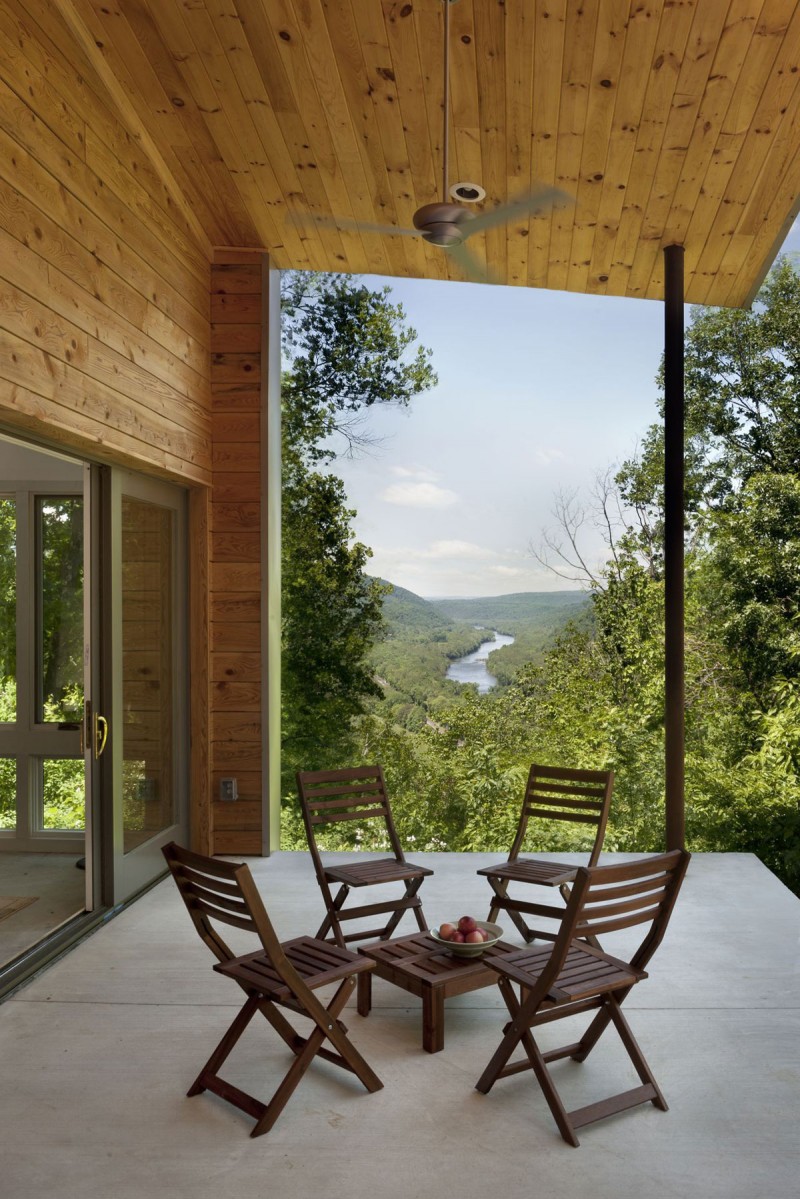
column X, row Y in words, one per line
column 461, row 949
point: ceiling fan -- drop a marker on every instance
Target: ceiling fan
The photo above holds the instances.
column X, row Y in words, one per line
column 447, row 224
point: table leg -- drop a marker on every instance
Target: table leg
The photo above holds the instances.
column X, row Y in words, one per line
column 364, row 994
column 433, row 1019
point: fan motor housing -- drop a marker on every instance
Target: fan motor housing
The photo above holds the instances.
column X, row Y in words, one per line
column 440, row 223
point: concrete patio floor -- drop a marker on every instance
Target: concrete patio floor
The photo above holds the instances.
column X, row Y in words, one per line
column 99, row 1049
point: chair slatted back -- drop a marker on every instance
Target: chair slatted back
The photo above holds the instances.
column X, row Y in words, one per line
column 331, row 796
column 575, row 796
column 605, row 899
column 222, row 893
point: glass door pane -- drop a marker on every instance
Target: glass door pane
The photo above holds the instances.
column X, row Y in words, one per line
column 150, row 708
column 60, row 643
column 148, row 682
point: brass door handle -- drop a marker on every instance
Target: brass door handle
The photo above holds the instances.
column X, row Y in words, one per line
column 100, row 734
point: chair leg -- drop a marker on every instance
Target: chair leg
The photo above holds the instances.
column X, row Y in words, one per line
column 331, row 922
column 223, row 1049
column 635, row 1054
column 412, row 886
column 518, row 1032
column 350, row 1059
column 418, row 912
column 598, row 1026
column 512, row 1037
column 515, row 1035
column 500, row 889
column 559, row 1112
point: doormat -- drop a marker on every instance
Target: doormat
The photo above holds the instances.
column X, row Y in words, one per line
column 11, row 904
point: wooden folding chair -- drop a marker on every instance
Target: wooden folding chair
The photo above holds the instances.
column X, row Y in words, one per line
column 330, row 796
column 275, row 976
column 552, row 793
column 573, row 976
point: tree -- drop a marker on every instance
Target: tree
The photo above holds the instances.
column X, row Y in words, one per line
column 346, row 348
column 742, row 401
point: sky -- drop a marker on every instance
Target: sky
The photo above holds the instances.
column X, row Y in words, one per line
column 538, row 393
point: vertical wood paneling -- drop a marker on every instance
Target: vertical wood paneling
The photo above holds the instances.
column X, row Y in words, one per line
column 234, row 541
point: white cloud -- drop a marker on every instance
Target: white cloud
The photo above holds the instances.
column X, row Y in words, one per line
column 423, row 473
column 437, row 551
column 458, row 549
column 509, row 572
column 547, row 454
column 418, row 495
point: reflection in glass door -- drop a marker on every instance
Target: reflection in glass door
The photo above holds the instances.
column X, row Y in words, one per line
column 150, row 703
column 44, row 882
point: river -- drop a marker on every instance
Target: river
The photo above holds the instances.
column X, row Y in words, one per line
column 472, row 668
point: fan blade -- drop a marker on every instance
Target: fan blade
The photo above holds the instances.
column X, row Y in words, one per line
column 475, row 271
column 544, row 198
column 348, row 226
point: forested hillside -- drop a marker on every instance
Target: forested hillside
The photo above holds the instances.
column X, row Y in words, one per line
column 411, row 659
column 422, row 637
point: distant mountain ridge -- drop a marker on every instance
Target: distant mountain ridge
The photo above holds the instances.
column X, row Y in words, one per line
column 521, row 607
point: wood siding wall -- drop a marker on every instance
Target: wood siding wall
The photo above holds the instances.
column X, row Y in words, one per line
column 235, row 550
column 107, row 347
column 104, row 287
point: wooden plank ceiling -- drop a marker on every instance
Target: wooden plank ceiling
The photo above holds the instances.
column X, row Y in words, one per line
column 666, row 120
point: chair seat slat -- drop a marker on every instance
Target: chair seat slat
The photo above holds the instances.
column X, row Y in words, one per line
column 532, row 870
column 370, row 873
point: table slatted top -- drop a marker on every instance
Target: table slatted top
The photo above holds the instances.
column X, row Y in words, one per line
column 421, row 957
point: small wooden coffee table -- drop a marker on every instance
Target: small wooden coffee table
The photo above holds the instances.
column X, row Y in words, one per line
column 419, row 965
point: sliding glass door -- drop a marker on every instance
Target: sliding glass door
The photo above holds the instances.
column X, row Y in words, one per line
column 94, row 697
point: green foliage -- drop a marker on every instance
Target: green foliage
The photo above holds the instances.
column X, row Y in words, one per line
column 331, row 617
column 347, row 348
